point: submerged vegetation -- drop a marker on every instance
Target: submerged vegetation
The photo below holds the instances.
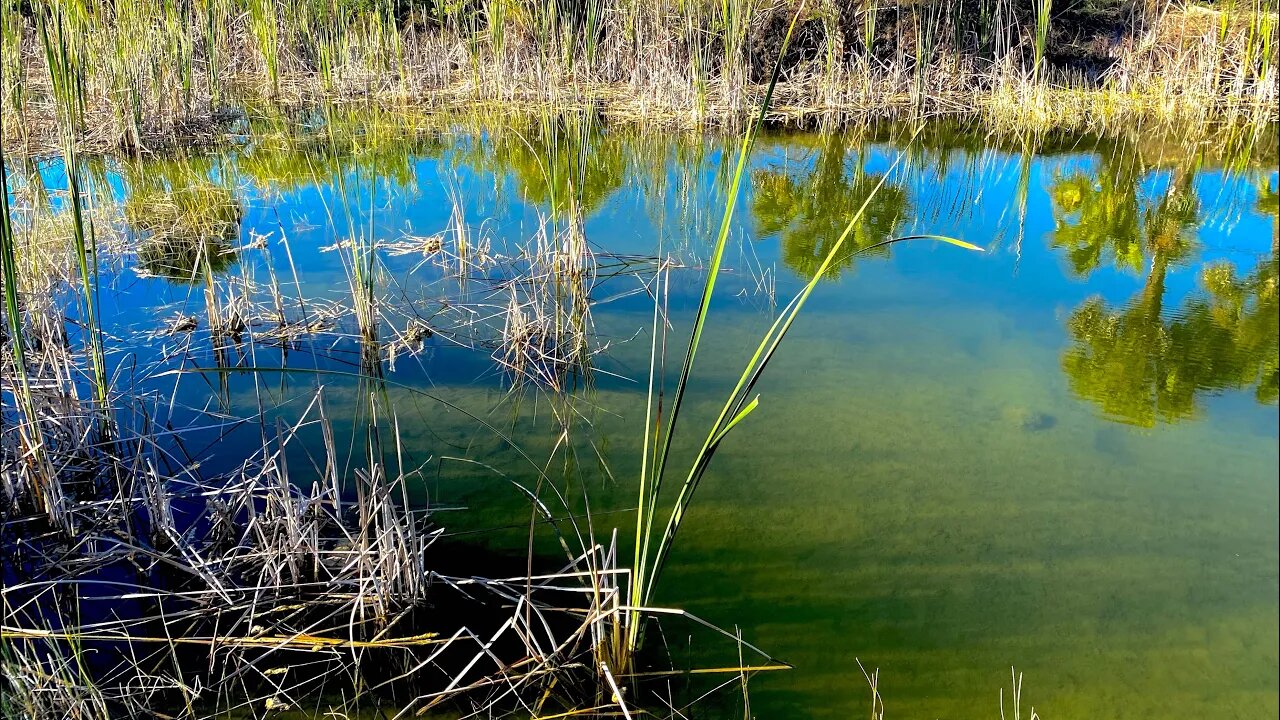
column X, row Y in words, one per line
column 151, row 72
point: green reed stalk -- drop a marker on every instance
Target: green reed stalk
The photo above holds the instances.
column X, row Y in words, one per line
column 11, row 70
column 1261, row 52
column 326, row 38
column 265, row 24
column 983, row 25
column 126, row 76
column 831, row 39
column 650, row 557
column 212, row 21
column 697, row 17
column 496, row 12
column 926, row 28
column 67, row 80
column 591, row 30
column 177, row 23
column 471, row 26
column 1043, row 10
column 740, row 402
column 392, row 34
column 30, row 429
column 736, row 20
column 543, row 13
column 652, row 470
column 870, row 10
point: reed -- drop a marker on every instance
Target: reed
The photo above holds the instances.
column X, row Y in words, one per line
column 38, row 477
column 1043, row 10
column 321, row 585
column 141, row 80
column 265, row 26
column 653, row 549
column 65, row 65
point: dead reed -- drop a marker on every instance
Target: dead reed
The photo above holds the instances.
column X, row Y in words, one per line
column 136, row 579
column 150, row 73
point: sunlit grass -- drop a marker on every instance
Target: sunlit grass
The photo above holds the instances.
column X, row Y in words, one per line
column 154, row 71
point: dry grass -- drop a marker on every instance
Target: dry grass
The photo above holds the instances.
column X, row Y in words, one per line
column 142, row 581
column 660, row 61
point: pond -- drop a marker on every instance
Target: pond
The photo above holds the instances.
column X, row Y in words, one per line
column 1059, row 454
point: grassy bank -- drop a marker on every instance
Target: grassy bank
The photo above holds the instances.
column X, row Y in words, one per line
column 154, row 71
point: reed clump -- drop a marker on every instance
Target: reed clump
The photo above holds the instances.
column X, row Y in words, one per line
column 138, row 579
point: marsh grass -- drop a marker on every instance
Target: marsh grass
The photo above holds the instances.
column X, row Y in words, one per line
column 151, row 71
column 310, row 593
column 286, row 595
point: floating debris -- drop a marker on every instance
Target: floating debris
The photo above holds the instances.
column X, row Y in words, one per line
column 179, row 323
column 411, row 244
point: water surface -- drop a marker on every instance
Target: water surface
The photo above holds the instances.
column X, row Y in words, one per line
column 1059, row 454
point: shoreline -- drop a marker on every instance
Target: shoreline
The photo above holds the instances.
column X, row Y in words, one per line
column 1102, row 113
column 152, row 78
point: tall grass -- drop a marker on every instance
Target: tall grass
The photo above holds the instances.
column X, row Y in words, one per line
column 39, row 475
column 12, row 87
column 66, row 76
column 265, row 26
column 153, row 70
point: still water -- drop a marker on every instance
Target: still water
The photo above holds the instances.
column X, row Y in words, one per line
column 1059, row 454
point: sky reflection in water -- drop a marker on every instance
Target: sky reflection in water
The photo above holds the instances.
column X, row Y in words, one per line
column 1059, row 454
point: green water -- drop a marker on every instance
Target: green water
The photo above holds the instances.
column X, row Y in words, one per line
column 1060, row 454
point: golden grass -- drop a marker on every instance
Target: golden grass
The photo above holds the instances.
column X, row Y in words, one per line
column 660, row 62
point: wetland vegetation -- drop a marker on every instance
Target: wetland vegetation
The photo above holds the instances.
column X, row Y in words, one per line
column 364, row 359
column 178, row 71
